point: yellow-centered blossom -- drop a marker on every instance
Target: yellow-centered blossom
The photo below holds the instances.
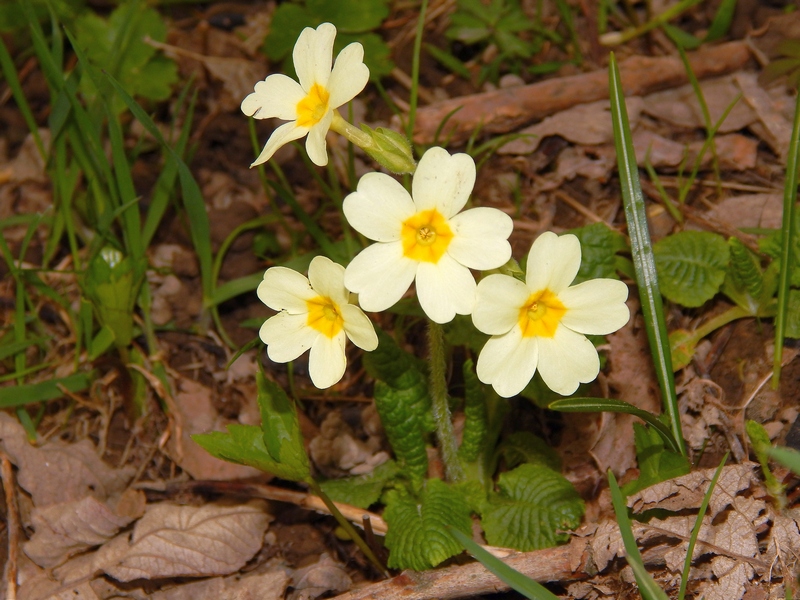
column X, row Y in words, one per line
column 424, row 237
column 540, row 324
column 310, row 105
column 315, row 314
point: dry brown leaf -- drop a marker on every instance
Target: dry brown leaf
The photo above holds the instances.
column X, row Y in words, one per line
column 65, row 529
column 267, row 585
column 749, row 210
column 777, row 129
column 198, row 415
column 188, row 541
column 59, row 472
column 325, row 575
column 687, row 492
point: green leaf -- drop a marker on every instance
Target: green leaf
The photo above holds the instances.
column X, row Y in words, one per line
column 461, row 332
column 362, row 491
column 534, row 507
column 759, row 439
column 287, row 22
column 524, row 585
column 20, row 395
column 350, row 16
column 280, row 426
column 244, row 445
column 377, row 54
column 656, row 463
column 691, row 266
column 418, row 537
column 745, row 270
column 619, row 406
column 682, row 342
column 599, row 247
column 722, row 21
column 523, row 447
column 403, row 403
column 448, row 61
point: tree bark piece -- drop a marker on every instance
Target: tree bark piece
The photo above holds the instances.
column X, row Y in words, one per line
column 505, row 110
column 562, row 563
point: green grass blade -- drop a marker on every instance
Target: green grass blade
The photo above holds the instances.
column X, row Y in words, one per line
column 524, row 585
column 131, row 222
column 698, row 523
column 235, row 287
column 200, row 229
column 11, row 77
column 30, row 393
column 616, row 406
column 648, row 588
column 12, row 348
column 787, row 233
column 642, row 252
column 788, row 457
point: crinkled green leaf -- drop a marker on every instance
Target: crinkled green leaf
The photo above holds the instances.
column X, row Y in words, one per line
column 461, row 332
column 244, row 445
column 377, row 55
column 476, row 419
column 418, row 537
column 287, row 22
column 745, row 270
column 656, row 463
column 403, row 403
column 524, row 447
column 599, row 248
column 691, row 266
column 280, row 426
column 363, row 490
column 533, row 509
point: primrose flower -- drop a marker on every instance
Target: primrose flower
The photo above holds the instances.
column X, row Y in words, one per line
column 315, row 313
column 310, row 105
column 423, row 236
column 540, row 324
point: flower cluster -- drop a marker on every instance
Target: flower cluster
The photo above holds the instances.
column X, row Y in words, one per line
column 423, row 238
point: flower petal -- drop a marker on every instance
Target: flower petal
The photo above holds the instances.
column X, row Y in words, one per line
column 327, row 279
column 498, row 302
column 287, row 336
column 316, row 146
column 285, row 289
column 284, row 134
column 442, row 181
column 480, row 238
column 596, row 306
column 508, row 362
column 359, row 328
column 349, row 75
column 380, row 275
column 445, row 289
column 378, row 207
column 313, row 54
column 327, row 361
column 553, row 262
column 566, row 360
column 276, row 96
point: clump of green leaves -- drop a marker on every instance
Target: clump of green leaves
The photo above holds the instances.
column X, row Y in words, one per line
column 355, row 20
column 787, row 64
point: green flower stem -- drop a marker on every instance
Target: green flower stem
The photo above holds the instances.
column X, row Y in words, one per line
column 348, row 527
column 722, row 319
column 441, row 408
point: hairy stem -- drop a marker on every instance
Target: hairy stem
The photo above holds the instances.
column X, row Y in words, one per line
column 441, row 408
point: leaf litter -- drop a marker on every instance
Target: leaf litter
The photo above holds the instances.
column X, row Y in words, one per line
column 89, row 530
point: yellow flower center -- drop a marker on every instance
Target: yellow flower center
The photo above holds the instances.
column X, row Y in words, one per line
column 541, row 314
column 426, row 236
column 313, row 107
column 324, row 316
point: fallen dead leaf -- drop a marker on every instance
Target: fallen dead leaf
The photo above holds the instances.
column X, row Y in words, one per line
column 268, row 584
column 325, row 575
column 57, row 471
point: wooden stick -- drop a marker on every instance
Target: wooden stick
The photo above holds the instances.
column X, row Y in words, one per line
column 12, row 524
column 505, row 110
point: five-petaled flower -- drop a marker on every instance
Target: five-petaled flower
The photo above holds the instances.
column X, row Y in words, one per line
column 540, row 324
column 423, row 236
column 315, row 313
column 310, row 105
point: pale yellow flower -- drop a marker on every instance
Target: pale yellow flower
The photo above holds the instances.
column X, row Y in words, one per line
column 315, row 314
column 310, row 105
column 540, row 324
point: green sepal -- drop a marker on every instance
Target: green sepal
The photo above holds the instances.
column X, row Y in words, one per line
column 418, row 537
column 390, row 149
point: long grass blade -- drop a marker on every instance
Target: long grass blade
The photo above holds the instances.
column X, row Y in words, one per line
column 642, row 252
